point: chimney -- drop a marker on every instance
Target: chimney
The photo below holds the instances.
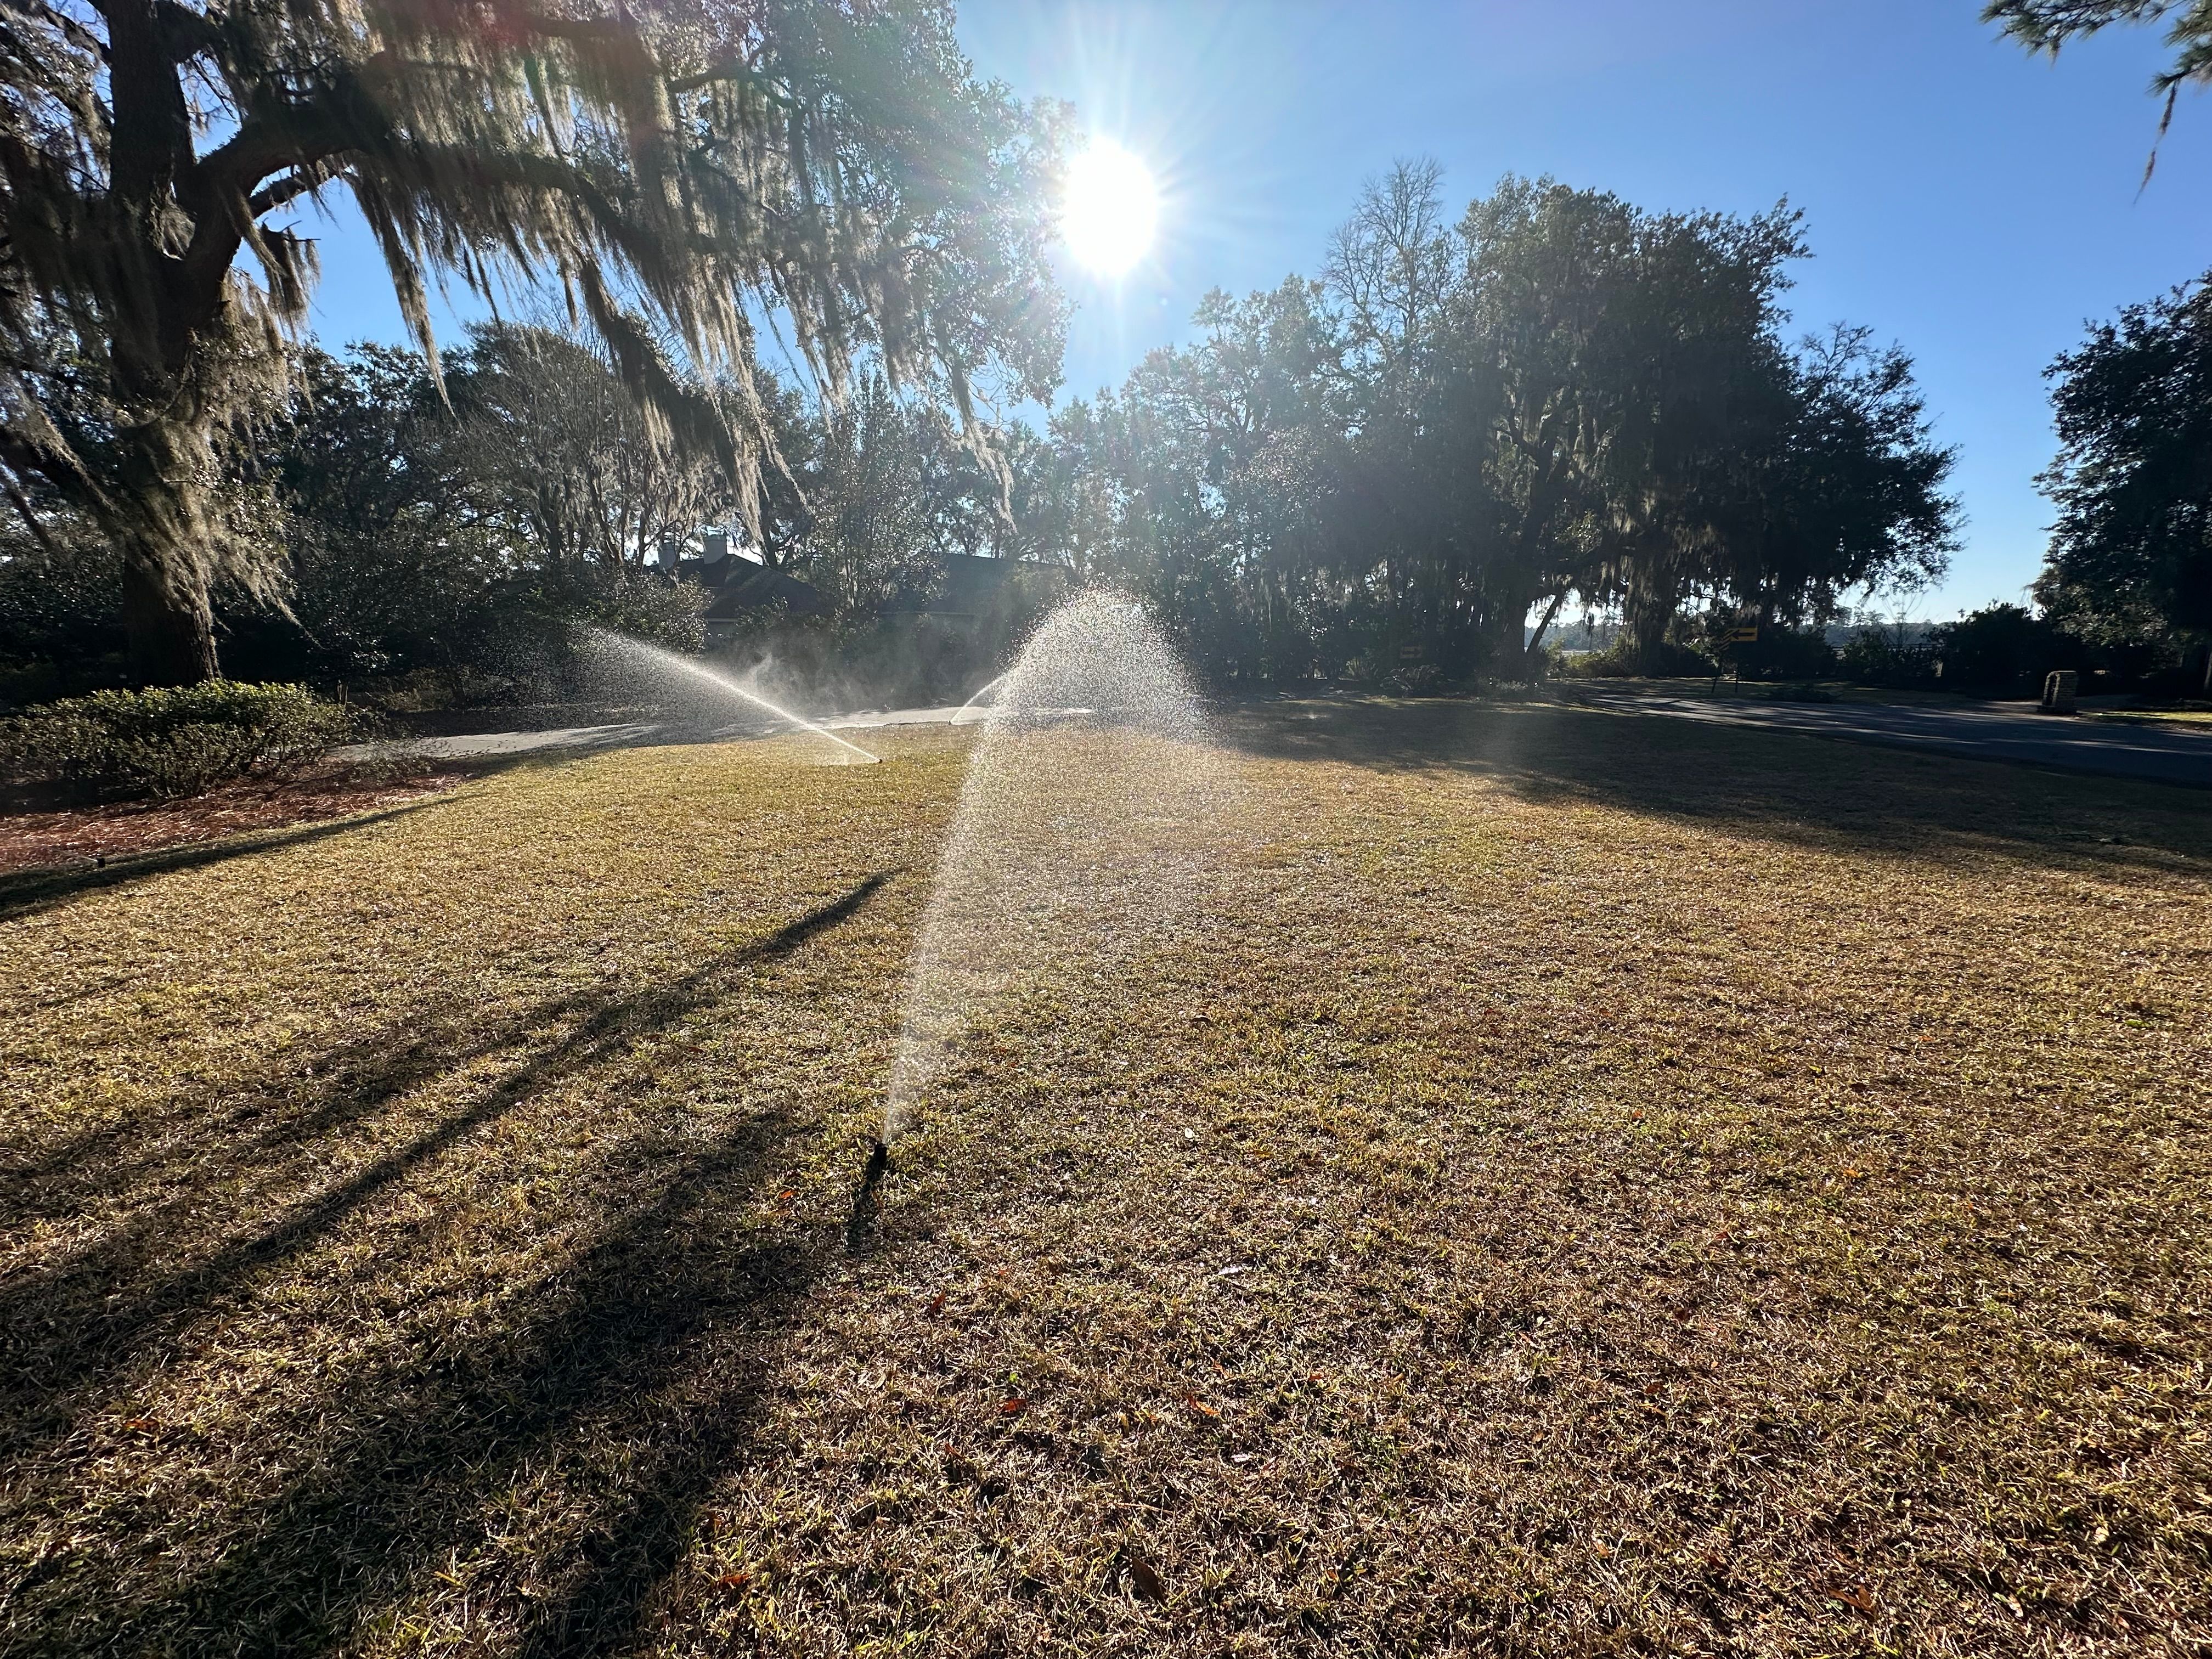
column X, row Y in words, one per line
column 718, row 545
column 672, row 550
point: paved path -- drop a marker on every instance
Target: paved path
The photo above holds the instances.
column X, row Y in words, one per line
column 1997, row 732
column 631, row 734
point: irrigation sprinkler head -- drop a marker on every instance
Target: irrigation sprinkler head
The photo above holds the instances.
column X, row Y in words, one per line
column 865, row 1205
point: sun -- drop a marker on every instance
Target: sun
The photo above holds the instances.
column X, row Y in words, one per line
column 1111, row 211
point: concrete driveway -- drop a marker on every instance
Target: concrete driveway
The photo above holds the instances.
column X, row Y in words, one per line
column 1996, row 732
column 631, row 733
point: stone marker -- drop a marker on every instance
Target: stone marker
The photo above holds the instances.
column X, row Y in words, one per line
column 2058, row 689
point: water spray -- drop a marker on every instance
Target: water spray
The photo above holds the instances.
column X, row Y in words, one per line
column 670, row 660
column 1085, row 808
column 981, row 692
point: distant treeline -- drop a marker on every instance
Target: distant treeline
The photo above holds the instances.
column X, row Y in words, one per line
column 1557, row 403
column 1554, row 406
column 440, row 537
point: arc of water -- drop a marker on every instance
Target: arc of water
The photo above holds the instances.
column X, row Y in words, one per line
column 723, row 682
column 982, row 691
column 1072, row 833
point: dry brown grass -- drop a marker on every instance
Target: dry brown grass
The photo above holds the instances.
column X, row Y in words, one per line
column 2170, row 717
column 1579, row 1182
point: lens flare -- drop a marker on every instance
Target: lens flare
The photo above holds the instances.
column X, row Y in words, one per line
column 1111, row 208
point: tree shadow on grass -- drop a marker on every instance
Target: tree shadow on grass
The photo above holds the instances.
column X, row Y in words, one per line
column 350, row 1083
column 34, row 890
column 629, row 1384
column 1826, row 794
column 67, row 1329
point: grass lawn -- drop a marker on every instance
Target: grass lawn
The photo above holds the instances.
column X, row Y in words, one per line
column 2180, row 717
column 1571, row 1182
column 1703, row 687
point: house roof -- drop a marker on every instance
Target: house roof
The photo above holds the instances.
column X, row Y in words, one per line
column 750, row 587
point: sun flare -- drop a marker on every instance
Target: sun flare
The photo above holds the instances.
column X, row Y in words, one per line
column 1111, row 208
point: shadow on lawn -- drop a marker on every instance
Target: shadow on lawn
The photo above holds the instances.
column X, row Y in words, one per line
column 650, row 1332
column 1810, row 792
column 651, row 1348
column 35, row 890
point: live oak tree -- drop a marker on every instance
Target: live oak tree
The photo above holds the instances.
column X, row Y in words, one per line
column 2130, row 559
column 1603, row 406
column 1466, row 425
column 1636, row 356
column 679, row 173
column 1844, row 491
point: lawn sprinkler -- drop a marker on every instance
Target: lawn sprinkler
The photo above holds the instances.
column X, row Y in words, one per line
column 865, row 1205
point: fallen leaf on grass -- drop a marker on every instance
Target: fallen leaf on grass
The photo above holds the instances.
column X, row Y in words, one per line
column 936, row 1304
column 1855, row 1597
column 734, row 1580
column 1200, row 1405
column 1013, row 1408
column 1145, row 1579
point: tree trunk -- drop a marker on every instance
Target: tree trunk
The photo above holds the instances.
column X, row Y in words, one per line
column 1534, row 650
column 1654, row 595
column 166, row 618
column 168, row 629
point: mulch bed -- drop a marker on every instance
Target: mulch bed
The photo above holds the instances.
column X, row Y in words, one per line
column 33, row 838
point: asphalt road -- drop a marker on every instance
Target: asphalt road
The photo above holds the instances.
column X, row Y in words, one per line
column 1992, row 731
column 632, row 733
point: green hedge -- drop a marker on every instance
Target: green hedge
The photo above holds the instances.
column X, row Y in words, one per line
column 1622, row 660
column 171, row 742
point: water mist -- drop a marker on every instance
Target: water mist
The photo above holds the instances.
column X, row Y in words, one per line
column 1087, row 811
column 667, row 667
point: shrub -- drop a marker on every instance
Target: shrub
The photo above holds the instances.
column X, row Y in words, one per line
column 1785, row 654
column 171, row 742
column 1878, row 656
column 2005, row 648
column 1623, row 660
column 1421, row 680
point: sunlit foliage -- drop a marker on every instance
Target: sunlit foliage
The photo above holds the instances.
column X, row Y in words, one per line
column 677, row 175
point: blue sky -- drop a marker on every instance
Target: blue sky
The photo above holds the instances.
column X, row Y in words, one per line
column 1974, row 206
